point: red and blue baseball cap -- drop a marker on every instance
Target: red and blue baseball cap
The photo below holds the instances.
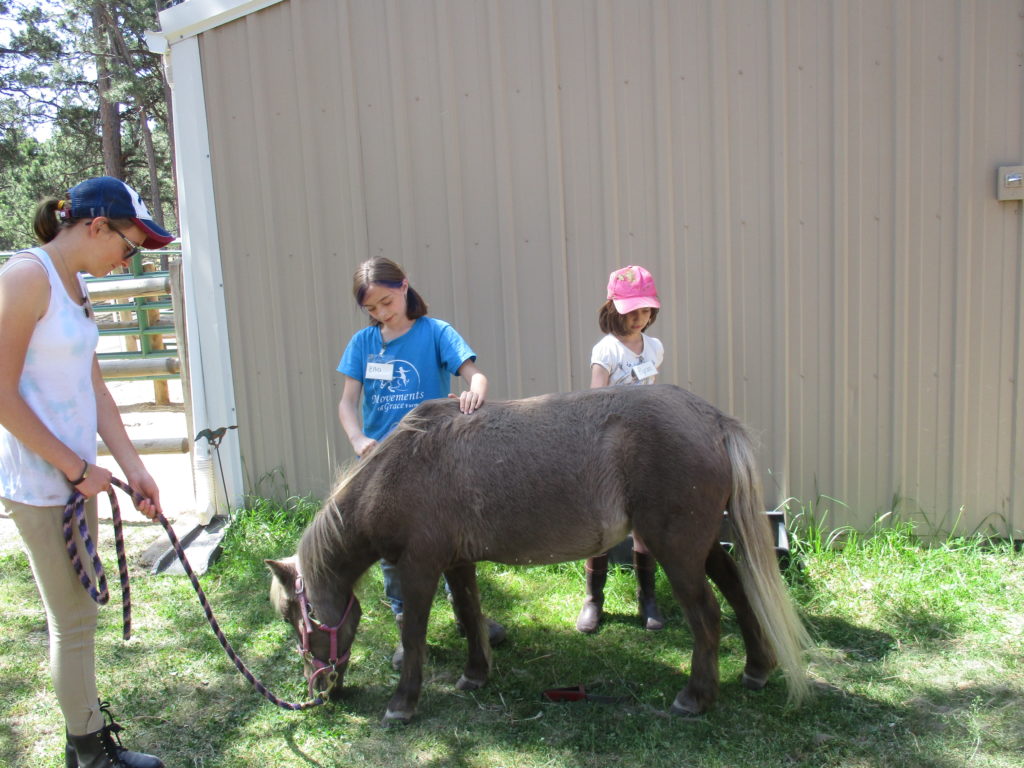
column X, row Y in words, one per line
column 110, row 197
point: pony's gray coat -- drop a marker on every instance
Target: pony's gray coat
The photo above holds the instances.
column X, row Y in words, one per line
column 551, row 479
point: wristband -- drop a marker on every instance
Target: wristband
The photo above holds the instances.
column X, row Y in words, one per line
column 85, row 474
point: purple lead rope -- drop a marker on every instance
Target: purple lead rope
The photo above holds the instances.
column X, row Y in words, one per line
column 74, row 510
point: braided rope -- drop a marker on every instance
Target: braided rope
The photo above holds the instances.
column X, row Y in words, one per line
column 99, row 593
column 74, row 510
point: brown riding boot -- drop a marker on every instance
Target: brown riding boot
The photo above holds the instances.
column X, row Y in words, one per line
column 646, row 566
column 590, row 614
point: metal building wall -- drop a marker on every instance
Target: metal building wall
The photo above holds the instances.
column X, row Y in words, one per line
column 811, row 183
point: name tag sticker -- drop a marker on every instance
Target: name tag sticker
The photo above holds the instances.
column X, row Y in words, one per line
column 380, row 371
column 645, row 371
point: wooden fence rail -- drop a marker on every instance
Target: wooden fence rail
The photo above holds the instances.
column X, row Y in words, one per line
column 146, row 308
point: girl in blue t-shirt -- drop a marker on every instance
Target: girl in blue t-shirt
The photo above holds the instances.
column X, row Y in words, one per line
column 400, row 360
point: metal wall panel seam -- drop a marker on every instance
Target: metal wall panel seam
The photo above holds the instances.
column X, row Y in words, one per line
column 664, row 164
column 506, row 210
column 255, row 283
column 721, row 176
column 1015, row 518
column 299, row 376
column 959, row 459
column 314, row 464
column 899, row 440
column 396, row 83
column 776, row 465
column 333, row 338
column 561, row 334
column 455, row 220
column 1015, row 515
column 833, row 405
column 608, row 139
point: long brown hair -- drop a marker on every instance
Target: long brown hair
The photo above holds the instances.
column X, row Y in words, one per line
column 383, row 271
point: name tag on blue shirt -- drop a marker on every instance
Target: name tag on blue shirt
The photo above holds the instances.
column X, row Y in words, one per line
column 380, row 371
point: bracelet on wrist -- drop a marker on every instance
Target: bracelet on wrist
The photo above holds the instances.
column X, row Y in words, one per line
column 85, row 474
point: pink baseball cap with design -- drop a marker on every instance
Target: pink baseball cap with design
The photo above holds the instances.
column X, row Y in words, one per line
column 632, row 288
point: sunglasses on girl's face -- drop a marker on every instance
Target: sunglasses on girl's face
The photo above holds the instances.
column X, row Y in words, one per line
column 132, row 247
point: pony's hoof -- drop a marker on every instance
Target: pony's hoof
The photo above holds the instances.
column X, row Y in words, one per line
column 753, row 683
column 395, row 718
column 468, row 684
column 683, row 708
column 654, row 623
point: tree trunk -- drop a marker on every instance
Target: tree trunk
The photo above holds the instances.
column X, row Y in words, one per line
column 110, row 118
column 154, row 178
column 121, row 49
column 170, row 142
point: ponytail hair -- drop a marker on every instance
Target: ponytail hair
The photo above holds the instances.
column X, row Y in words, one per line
column 383, row 271
column 48, row 222
column 52, row 215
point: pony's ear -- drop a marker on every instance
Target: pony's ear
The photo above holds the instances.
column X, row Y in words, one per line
column 284, row 571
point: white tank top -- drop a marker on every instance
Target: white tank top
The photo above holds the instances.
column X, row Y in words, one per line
column 57, row 385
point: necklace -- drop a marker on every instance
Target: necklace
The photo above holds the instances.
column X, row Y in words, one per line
column 65, row 272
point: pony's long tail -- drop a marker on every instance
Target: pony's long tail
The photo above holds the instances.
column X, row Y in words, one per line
column 759, row 569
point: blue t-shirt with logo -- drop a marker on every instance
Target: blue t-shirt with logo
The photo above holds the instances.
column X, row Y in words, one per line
column 423, row 360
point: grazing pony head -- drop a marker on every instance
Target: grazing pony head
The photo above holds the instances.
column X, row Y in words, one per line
column 324, row 636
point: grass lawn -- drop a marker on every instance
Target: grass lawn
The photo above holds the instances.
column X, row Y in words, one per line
column 921, row 663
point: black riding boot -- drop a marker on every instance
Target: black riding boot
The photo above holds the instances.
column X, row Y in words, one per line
column 102, row 749
column 590, row 614
column 646, row 566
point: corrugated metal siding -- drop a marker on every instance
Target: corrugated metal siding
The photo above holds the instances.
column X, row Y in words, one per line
column 811, row 183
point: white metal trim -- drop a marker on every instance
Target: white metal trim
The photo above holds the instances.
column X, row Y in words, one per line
column 213, row 399
column 192, row 18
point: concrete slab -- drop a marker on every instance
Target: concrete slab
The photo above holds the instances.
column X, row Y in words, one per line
column 201, row 544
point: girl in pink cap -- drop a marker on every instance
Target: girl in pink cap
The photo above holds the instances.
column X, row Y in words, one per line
column 626, row 355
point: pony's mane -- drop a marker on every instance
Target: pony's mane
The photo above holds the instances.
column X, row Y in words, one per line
column 316, row 543
column 325, row 536
column 412, row 425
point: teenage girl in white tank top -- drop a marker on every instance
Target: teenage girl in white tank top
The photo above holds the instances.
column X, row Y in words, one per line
column 53, row 403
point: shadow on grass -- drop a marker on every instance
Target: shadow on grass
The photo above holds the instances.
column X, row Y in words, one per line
column 861, row 644
column 12, row 737
column 184, row 700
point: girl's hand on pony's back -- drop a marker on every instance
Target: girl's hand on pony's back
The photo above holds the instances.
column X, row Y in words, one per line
column 469, row 401
column 476, row 395
column 363, row 445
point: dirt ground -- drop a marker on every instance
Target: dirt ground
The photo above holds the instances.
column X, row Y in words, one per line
column 172, row 472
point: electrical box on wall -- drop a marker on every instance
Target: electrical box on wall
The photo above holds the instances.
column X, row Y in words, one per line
column 1010, row 182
